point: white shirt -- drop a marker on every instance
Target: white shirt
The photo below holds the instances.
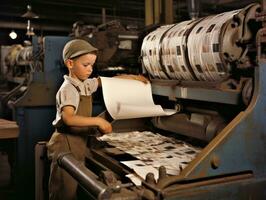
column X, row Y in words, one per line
column 68, row 94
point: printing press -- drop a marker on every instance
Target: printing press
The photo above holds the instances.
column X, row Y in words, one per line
column 211, row 71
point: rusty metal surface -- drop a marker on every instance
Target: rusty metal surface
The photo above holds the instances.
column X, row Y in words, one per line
column 238, row 138
column 203, row 94
column 232, row 151
column 231, row 166
column 201, row 126
column 110, row 189
column 235, row 189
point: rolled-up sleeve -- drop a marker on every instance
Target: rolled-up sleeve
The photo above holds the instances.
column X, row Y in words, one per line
column 92, row 84
column 67, row 96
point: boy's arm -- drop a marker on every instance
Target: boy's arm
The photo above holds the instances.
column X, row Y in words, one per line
column 133, row 77
column 70, row 119
column 128, row 76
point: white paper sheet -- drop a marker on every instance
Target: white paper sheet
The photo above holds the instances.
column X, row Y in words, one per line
column 136, row 180
column 125, row 99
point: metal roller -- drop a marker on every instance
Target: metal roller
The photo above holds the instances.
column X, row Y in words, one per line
column 24, row 54
column 201, row 49
column 151, row 52
column 204, row 47
column 86, row 178
column 174, row 46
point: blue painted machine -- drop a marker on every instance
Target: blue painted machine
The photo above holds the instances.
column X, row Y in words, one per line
column 37, row 73
column 35, row 110
column 212, row 70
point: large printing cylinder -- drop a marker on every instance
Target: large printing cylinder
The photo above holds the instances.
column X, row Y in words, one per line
column 201, row 49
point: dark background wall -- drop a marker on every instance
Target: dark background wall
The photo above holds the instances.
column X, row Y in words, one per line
column 57, row 17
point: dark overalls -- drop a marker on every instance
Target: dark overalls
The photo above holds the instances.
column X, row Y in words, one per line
column 61, row 185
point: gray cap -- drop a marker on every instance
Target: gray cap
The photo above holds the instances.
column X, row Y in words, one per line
column 77, row 47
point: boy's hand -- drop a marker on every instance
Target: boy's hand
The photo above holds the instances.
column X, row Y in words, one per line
column 134, row 77
column 141, row 78
column 104, row 126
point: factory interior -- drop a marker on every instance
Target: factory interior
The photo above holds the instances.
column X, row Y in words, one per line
column 204, row 61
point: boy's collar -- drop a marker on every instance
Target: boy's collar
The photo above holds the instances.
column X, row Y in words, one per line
column 74, row 81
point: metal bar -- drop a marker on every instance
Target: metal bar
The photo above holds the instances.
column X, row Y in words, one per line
column 40, row 151
column 109, row 162
column 148, row 12
column 202, row 94
column 168, row 12
column 86, row 178
column 133, row 37
column 45, row 27
column 212, row 181
column 157, row 11
column 103, row 16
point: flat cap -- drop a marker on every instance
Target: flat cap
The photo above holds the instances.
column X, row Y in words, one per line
column 77, row 47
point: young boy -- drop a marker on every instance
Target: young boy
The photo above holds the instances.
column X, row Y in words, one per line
column 74, row 108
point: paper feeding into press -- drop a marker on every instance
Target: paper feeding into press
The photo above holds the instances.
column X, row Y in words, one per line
column 126, row 99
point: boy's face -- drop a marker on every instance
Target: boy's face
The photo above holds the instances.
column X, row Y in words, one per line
column 82, row 66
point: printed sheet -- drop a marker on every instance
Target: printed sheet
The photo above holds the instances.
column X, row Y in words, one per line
column 151, row 151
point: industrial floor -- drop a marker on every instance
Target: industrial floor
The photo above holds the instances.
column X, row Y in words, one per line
column 7, row 188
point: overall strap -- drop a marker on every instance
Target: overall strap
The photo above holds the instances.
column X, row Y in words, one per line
column 77, row 88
